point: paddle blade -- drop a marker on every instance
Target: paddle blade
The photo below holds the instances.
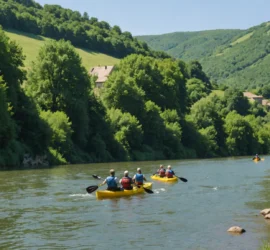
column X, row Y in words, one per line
column 182, row 179
column 91, row 189
column 96, row 176
column 149, row 191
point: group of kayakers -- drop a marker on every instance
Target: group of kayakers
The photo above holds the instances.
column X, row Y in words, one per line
column 169, row 173
column 126, row 181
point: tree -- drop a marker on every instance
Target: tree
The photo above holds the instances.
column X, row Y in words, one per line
column 59, row 82
column 85, row 16
column 196, row 89
column 7, row 125
column 239, row 135
column 206, row 113
column 195, row 71
column 266, row 91
column 127, row 129
column 236, row 101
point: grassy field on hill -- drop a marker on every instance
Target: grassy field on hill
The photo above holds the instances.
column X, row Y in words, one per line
column 32, row 43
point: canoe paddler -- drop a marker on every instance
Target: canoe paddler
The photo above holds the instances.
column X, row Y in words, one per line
column 126, row 181
column 169, row 172
column 256, row 157
column 139, row 177
column 161, row 171
column 111, row 181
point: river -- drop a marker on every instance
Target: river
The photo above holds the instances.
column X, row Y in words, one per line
column 50, row 209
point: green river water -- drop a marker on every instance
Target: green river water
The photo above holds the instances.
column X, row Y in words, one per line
column 50, row 209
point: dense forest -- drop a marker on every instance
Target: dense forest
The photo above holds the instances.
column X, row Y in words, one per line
column 229, row 57
column 150, row 108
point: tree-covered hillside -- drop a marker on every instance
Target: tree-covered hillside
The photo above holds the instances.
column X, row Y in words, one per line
column 150, row 107
column 83, row 31
column 190, row 45
column 233, row 57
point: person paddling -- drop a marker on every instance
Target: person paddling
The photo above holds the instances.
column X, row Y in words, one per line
column 111, row 182
column 169, row 172
column 161, row 171
column 256, row 157
column 126, row 181
column 139, row 177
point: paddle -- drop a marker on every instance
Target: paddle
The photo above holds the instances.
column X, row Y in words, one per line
column 149, row 191
column 180, row 178
column 91, row 189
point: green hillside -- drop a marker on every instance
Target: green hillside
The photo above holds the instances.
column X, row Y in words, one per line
column 232, row 57
column 190, row 45
column 32, row 43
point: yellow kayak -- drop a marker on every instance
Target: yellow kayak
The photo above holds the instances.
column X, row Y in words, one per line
column 165, row 179
column 113, row 194
column 256, row 160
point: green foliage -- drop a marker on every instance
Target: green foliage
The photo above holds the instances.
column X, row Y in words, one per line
column 236, row 101
column 205, row 113
column 230, row 57
column 21, row 128
column 265, row 91
column 7, row 125
column 196, row 89
column 101, row 142
column 128, row 131
column 239, row 135
column 59, row 23
column 10, row 67
column 190, row 45
column 61, row 131
column 58, row 82
column 139, row 79
column 209, row 135
column 56, row 158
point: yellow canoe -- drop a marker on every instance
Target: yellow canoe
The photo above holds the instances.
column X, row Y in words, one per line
column 102, row 194
column 164, row 179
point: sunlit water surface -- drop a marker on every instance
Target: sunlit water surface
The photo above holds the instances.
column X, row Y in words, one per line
column 50, row 209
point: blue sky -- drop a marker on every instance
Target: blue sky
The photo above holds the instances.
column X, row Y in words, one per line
column 148, row 17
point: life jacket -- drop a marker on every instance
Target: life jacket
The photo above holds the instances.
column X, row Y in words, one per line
column 169, row 173
column 111, row 182
column 126, row 182
column 162, row 172
column 139, row 179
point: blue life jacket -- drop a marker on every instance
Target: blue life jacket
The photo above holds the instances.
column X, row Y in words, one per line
column 169, row 173
column 111, row 181
column 139, row 178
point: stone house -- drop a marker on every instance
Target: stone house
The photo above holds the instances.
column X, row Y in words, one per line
column 102, row 73
column 252, row 97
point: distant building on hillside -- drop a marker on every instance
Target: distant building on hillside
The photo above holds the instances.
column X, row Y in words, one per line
column 265, row 102
column 102, row 73
column 257, row 98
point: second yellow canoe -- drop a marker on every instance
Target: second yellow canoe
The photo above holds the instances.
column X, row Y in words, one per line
column 164, row 179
